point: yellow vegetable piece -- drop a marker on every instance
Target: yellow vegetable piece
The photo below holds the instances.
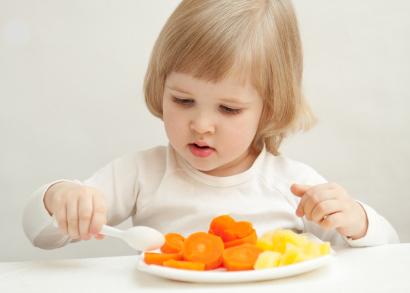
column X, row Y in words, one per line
column 292, row 251
column 325, row 248
column 282, row 237
column 268, row 235
column 312, row 249
column 292, row 248
column 302, row 257
column 265, row 244
column 267, row 259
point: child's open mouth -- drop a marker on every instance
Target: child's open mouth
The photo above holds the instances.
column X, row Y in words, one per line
column 200, row 151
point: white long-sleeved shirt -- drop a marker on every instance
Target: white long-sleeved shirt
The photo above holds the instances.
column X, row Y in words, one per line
column 158, row 188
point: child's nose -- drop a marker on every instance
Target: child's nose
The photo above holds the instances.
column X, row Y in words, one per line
column 203, row 123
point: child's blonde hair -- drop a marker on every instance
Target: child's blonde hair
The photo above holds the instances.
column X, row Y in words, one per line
column 260, row 39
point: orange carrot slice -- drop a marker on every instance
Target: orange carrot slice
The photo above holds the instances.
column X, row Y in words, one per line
column 173, row 243
column 242, row 229
column 250, row 239
column 242, row 257
column 222, row 226
column 229, row 230
column 185, row 265
column 205, row 248
column 154, row 258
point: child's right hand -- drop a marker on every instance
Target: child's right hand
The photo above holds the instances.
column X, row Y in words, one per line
column 80, row 211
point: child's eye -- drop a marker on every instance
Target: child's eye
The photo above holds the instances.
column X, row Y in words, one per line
column 187, row 102
column 182, row 101
column 230, row 110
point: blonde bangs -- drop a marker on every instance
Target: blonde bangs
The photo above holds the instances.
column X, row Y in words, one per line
column 255, row 39
column 206, row 40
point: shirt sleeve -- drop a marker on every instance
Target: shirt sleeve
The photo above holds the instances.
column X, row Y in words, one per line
column 118, row 183
column 379, row 231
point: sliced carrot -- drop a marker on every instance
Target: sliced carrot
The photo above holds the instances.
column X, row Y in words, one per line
column 205, row 248
column 154, row 258
column 228, row 235
column 229, row 230
column 173, row 243
column 242, row 229
column 242, row 257
column 222, row 226
column 250, row 239
column 185, row 265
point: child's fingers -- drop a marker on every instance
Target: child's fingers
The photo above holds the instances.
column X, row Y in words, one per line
column 299, row 190
column 100, row 237
column 315, row 199
column 99, row 214
column 325, row 208
column 332, row 221
column 310, row 199
column 85, row 212
column 61, row 218
column 72, row 218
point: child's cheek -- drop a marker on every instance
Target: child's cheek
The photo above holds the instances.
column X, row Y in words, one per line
column 173, row 123
column 235, row 139
column 173, row 129
column 177, row 128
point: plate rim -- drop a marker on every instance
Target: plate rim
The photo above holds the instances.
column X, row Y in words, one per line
column 215, row 276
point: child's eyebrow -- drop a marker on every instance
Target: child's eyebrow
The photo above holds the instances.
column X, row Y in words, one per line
column 233, row 100
column 178, row 89
column 227, row 99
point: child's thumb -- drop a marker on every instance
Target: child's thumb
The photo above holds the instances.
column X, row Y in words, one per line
column 299, row 190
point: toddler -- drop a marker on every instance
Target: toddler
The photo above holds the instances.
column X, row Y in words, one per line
column 225, row 77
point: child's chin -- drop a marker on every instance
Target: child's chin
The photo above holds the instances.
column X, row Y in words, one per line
column 202, row 167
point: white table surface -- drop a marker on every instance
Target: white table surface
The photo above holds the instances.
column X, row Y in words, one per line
column 374, row 269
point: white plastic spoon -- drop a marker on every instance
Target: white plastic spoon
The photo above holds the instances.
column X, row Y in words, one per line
column 140, row 238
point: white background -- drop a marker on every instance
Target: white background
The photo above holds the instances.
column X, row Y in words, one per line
column 71, row 77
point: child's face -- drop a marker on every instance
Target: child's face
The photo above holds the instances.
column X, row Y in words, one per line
column 199, row 112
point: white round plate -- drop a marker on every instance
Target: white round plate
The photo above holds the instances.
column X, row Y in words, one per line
column 220, row 275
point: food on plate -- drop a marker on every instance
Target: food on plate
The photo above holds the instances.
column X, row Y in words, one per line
column 241, row 257
column 325, row 248
column 235, row 246
column 249, row 239
column 265, row 244
column 185, row 265
column 228, row 229
column 267, row 259
column 293, row 254
column 173, row 243
column 205, row 248
column 154, row 258
column 289, row 248
column 282, row 237
column 312, row 248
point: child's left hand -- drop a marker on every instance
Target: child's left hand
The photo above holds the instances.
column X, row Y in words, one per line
column 330, row 206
